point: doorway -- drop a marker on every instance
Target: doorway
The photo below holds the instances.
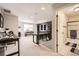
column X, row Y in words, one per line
column 64, row 17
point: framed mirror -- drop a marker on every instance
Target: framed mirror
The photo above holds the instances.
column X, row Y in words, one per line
column 73, row 29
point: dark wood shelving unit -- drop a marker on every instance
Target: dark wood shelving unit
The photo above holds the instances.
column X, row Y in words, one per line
column 44, row 30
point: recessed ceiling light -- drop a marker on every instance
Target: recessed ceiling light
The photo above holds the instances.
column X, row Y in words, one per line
column 42, row 8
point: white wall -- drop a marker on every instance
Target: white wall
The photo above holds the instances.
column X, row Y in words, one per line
column 11, row 22
column 0, row 10
column 35, row 28
column 21, row 28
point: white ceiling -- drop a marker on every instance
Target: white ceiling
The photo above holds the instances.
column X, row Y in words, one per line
column 30, row 12
column 69, row 10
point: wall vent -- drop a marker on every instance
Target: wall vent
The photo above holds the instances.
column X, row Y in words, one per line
column 6, row 11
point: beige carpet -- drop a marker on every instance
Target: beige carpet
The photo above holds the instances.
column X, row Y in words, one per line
column 28, row 48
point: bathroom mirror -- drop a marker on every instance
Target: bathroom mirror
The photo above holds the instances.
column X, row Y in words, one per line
column 73, row 29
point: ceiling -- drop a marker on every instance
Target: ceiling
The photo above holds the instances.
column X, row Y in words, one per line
column 30, row 12
column 69, row 10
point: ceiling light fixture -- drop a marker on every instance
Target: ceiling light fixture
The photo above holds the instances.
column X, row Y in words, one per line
column 42, row 8
column 76, row 9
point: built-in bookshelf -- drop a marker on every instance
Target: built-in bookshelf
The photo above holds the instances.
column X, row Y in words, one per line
column 44, row 30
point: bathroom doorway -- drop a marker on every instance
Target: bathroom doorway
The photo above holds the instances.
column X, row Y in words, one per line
column 65, row 16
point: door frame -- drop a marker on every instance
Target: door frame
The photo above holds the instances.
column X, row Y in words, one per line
column 56, row 31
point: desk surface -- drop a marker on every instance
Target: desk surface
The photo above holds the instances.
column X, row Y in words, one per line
column 6, row 40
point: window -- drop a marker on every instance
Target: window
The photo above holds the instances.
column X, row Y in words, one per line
column 28, row 27
column 44, row 27
column 41, row 27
